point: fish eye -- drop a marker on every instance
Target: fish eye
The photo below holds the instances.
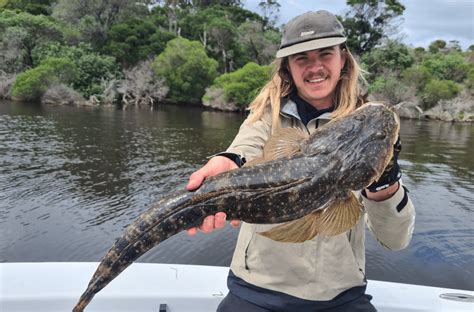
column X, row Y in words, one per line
column 380, row 135
column 360, row 117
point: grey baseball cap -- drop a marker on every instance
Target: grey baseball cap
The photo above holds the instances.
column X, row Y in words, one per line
column 311, row 31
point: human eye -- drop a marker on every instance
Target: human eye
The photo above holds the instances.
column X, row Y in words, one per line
column 300, row 58
column 325, row 53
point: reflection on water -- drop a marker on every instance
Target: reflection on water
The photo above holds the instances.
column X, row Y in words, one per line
column 72, row 178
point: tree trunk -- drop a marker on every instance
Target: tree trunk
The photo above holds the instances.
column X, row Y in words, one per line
column 224, row 60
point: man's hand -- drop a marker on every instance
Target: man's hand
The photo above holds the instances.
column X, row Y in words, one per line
column 387, row 184
column 383, row 194
column 214, row 166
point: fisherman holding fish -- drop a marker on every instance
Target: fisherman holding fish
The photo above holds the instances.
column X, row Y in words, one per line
column 317, row 79
column 317, row 165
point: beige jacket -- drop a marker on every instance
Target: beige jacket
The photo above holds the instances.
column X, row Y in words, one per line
column 321, row 268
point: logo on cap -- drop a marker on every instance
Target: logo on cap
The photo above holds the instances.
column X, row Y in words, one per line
column 306, row 33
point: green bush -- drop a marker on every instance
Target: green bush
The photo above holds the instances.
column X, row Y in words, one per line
column 392, row 57
column 391, row 89
column 469, row 82
column 417, row 76
column 92, row 67
column 436, row 90
column 20, row 33
column 451, row 66
column 186, row 69
column 242, row 86
column 135, row 40
column 31, row 84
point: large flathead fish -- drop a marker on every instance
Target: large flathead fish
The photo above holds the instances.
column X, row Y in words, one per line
column 304, row 182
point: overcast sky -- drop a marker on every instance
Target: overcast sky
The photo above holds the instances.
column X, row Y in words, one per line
column 423, row 20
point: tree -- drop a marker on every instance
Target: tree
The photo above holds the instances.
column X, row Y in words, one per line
column 260, row 45
column 135, row 40
column 222, row 35
column 436, row 90
column 451, row 66
column 20, row 33
column 217, row 28
column 369, row 21
column 271, row 12
column 187, row 70
column 392, row 57
column 139, row 86
column 454, row 45
column 241, row 87
column 436, row 46
column 96, row 17
column 31, row 84
column 35, row 7
column 197, row 3
column 93, row 69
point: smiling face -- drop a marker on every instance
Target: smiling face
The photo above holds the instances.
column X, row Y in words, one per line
column 316, row 74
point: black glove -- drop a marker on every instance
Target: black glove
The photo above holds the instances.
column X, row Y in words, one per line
column 238, row 159
column 392, row 172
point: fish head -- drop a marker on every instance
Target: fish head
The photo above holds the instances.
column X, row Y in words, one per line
column 371, row 133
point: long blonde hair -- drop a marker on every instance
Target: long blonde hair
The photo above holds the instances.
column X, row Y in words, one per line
column 347, row 94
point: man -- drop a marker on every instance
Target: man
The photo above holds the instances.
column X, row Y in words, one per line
column 316, row 79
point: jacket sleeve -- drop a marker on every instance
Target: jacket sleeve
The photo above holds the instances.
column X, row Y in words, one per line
column 251, row 137
column 392, row 220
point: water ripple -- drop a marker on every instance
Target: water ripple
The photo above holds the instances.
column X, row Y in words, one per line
column 72, row 178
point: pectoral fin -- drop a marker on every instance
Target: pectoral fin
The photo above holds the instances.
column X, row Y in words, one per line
column 296, row 231
column 284, row 143
column 340, row 216
column 254, row 162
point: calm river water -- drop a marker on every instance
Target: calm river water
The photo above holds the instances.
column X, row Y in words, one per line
column 71, row 179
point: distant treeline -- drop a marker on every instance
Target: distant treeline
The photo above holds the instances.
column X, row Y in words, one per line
column 212, row 52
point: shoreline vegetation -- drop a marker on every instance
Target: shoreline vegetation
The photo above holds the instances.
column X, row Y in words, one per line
column 213, row 54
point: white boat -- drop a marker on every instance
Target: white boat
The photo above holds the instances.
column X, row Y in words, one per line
column 51, row 287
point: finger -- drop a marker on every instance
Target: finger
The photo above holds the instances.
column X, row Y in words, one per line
column 207, row 225
column 219, row 220
column 192, row 231
column 195, row 180
column 235, row 223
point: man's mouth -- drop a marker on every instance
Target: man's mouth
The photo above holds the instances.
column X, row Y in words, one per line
column 316, row 80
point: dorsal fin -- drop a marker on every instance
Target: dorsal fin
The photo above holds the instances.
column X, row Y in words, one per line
column 341, row 215
column 284, row 142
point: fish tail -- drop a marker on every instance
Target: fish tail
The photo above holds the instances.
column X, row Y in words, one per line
column 83, row 302
column 151, row 228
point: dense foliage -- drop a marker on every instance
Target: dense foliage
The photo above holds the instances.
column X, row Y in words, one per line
column 240, row 87
column 31, row 84
column 135, row 40
column 22, row 32
column 107, row 45
column 92, row 68
column 399, row 73
column 186, row 69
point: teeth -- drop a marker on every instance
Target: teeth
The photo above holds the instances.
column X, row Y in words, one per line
column 316, row 80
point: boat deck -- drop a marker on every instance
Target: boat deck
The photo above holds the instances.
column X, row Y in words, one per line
column 144, row 287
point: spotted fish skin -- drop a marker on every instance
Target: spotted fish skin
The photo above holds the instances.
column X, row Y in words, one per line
column 347, row 154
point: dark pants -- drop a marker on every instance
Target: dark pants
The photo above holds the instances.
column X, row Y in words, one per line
column 232, row 303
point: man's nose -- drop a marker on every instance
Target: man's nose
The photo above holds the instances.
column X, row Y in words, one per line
column 315, row 63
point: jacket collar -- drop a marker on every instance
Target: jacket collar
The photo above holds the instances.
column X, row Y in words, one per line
column 289, row 109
